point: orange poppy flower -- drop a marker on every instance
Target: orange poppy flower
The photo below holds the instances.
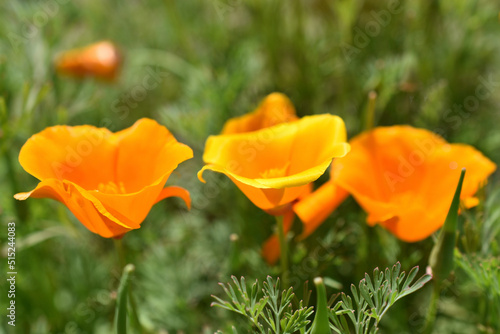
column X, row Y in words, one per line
column 275, row 165
column 100, row 60
column 108, row 180
column 403, row 177
column 275, row 109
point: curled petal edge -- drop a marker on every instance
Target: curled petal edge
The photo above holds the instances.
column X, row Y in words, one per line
column 295, row 180
column 55, row 191
column 175, row 191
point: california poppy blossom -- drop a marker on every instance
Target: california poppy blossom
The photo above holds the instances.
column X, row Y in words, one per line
column 100, row 60
column 275, row 166
column 108, row 180
column 403, row 177
column 275, row 109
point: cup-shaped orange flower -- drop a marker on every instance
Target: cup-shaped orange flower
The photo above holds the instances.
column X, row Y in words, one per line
column 100, row 60
column 275, row 109
column 403, row 177
column 275, row 165
column 108, row 180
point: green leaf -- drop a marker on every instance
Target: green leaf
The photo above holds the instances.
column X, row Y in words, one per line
column 373, row 299
column 441, row 258
column 272, row 313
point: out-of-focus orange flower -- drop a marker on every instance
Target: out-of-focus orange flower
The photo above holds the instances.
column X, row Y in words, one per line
column 275, row 109
column 108, row 180
column 100, row 60
column 403, row 177
column 275, row 165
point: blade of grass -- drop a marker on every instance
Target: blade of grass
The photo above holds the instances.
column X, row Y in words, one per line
column 122, row 300
column 441, row 258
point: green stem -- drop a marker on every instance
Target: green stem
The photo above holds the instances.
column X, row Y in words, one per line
column 120, row 252
column 233, row 253
column 370, row 110
column 283, row 250
column 430, row 319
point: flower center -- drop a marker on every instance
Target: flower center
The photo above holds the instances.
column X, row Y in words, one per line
column 275, row 172
column 111, row 188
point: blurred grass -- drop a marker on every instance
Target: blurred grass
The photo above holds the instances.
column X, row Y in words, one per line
column 217, row 59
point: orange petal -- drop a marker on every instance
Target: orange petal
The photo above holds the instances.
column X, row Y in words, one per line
column 470, row 202
column 414, row 224
column 131, row 207
column 79, row 154
column 392, row 154
column 315, row 208
column 428, row 209
column 276, row 108
column 147, row 152
column 175, row 191
column 87, row 209
column 479, row 168
column 271, row 248
column 267, row 198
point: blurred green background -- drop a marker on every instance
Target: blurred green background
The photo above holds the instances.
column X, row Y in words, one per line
column 217, row 59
